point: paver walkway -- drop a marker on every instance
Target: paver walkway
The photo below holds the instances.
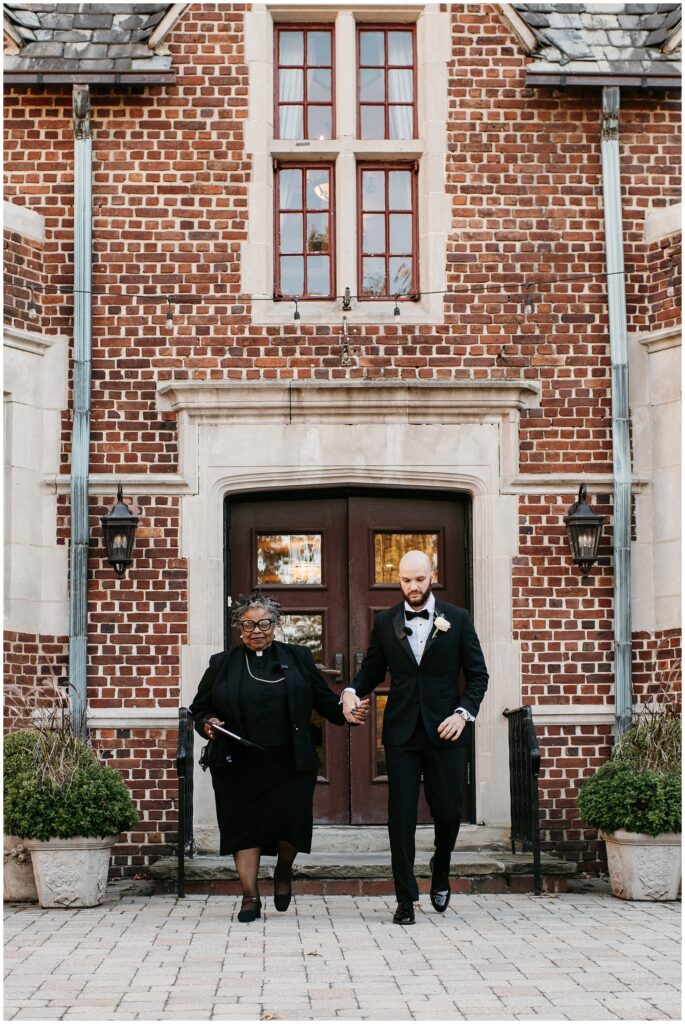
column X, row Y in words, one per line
column 577, row 956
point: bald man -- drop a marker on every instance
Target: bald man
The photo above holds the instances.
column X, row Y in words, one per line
column 424, row 644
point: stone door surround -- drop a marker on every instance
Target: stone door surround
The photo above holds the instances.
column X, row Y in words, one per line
column 256, row 436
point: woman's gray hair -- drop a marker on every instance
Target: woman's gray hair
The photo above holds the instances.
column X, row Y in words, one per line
column 254, row 600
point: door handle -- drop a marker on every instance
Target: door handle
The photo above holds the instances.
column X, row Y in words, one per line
column 336, row 672
column 358, row 659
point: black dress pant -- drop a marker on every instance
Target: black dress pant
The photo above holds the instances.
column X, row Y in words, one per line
column 442, row 769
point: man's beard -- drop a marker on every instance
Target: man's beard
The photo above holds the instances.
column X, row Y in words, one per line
column 418, row 602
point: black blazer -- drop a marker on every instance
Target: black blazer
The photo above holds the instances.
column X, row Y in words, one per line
column 218, row 696
column 431, row 688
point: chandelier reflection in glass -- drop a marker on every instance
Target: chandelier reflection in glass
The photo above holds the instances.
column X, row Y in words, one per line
column 288, row 559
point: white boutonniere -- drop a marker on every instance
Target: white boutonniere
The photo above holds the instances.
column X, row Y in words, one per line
column 441, row 625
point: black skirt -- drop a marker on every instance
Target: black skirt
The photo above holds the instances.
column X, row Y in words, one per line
column 261, row 798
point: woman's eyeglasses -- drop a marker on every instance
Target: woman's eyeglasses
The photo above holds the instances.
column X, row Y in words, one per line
column 249, row 626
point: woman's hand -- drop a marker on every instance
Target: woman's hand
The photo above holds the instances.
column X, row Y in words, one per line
column 356, row 711
column 208, row 727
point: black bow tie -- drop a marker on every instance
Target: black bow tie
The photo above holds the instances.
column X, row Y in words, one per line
column 425, row 614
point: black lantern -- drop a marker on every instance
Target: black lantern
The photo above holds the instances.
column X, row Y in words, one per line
column 119, row 528
column 584, row 531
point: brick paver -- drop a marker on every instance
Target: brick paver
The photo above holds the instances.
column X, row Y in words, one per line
column 576, row 956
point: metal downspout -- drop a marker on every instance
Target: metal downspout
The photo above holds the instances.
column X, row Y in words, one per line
column 80, row 441
column 618, row 335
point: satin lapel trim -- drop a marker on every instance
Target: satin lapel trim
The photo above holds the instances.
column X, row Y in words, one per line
column 437, row 610
column 398, row 624
column 290, row 669
column 234, row 672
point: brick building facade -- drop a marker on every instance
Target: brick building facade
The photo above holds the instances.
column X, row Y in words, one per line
column 493, row 383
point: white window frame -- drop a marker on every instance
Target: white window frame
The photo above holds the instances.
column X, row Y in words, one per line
column 433, row 34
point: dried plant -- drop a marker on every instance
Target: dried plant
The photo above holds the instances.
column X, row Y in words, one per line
column 53, row 744
column 654, row 742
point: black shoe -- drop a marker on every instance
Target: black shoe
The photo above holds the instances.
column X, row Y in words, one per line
column 282, row 899
column 250, row 910
column 440, row 889
column 404, row 913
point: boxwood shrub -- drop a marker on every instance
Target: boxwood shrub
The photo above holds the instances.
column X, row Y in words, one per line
column 56, row 788
column 619, row 796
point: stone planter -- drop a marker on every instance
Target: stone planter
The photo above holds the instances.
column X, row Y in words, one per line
column 643, row 867
column 18, row 883
column 71, row 872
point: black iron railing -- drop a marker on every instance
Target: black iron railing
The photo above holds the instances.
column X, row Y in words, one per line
column 185, row 843
column 524, row 771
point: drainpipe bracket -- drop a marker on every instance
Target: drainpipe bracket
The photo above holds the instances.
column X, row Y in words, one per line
column 80, row 100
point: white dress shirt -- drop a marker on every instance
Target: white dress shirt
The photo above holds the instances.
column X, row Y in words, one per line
column 418, row 630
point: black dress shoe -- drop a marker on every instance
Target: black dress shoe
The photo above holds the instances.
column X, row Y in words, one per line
column 404, row 913
column 250, row 910
column 440, row 890
column 282, row 899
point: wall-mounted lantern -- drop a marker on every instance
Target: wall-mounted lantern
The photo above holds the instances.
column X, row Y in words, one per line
column 584, row 531
column 119, row 528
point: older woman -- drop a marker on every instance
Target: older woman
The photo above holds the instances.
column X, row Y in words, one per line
column 264, row 691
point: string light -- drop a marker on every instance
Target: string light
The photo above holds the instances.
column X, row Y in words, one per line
column 32, row 310
column 347, row 297
column 670, row 287
column 476, row 289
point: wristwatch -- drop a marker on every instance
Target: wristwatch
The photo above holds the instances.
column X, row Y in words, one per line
column 463, row 713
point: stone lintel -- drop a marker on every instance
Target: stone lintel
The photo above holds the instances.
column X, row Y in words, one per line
column 349, row 401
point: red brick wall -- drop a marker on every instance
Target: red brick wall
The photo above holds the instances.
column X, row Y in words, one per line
column 562, row 619
column 569, row 753
column 23, row 267
column 170, row 215
column 36, row 672
column 144, row 758
column 657, row 666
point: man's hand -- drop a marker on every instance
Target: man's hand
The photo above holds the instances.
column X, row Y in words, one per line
column 451, row 728
column 209, row 727
column 356, row 711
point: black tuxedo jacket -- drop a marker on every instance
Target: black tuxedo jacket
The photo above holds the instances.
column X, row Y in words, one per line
column 431, row 688
column 218, row 696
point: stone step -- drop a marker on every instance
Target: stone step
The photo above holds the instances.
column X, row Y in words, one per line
column 360, row 838
column 482, row 862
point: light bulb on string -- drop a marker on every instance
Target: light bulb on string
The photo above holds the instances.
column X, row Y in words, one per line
column 32, row 310
column 396, row 310
column 169, row 314
column 670, row 287
column 296, row 317
column 528, row 303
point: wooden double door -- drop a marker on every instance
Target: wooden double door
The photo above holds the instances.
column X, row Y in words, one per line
column 330, row 558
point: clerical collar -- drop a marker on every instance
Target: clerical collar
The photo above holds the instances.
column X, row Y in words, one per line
column 258, row 654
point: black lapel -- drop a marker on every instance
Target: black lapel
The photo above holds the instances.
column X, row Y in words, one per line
column 234, row 671
column 433, row 634
column 398, row 625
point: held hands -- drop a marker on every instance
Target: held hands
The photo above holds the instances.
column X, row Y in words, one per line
column 356, row 711
column 208, row 727
column 451, row 728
